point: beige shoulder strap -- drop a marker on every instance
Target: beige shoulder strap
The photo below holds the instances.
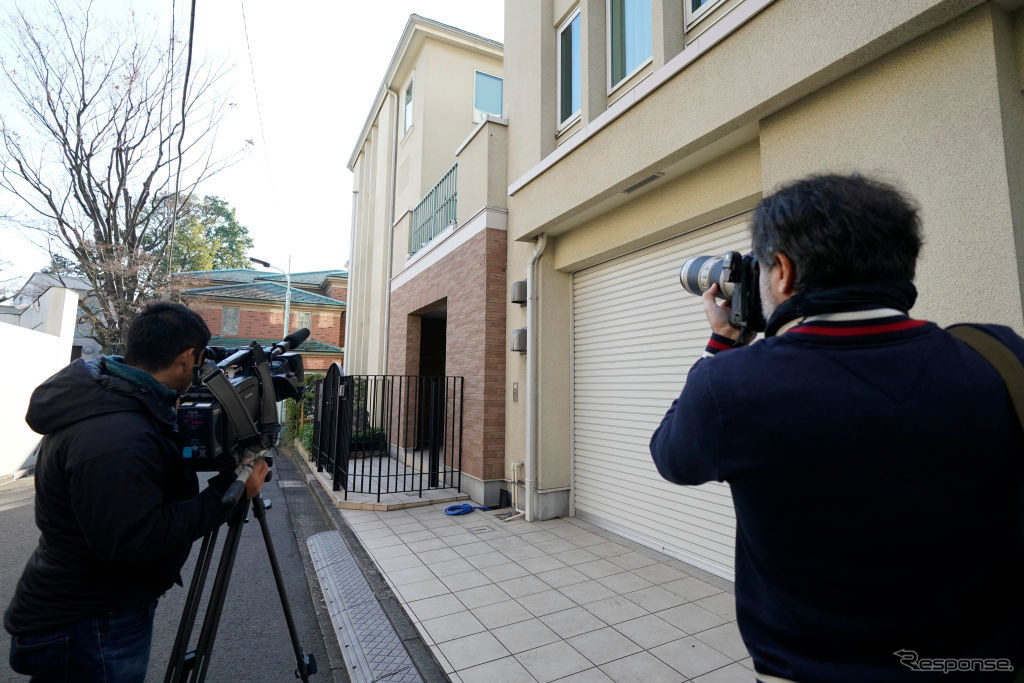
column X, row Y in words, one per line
column 1000, row 357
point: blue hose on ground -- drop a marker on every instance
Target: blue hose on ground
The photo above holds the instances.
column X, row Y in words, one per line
column 462, row 509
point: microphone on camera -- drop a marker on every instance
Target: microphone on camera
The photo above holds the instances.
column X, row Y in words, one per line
column 291, row 341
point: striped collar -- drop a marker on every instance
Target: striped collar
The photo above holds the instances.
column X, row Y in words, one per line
column 852, row 323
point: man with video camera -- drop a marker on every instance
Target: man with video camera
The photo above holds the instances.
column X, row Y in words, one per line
column 116, row 508
column 876, row 462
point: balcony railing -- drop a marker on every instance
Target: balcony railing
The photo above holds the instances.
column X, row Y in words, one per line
column 435, row 212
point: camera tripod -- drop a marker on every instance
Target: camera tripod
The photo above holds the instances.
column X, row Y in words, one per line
column 188, row 665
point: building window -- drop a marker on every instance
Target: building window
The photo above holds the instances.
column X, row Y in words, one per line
column 486, row 96
column 569, row 68
column 304, row 319
column 230, row 321
column 629, row 37
column 407, row 116
column 695, row 9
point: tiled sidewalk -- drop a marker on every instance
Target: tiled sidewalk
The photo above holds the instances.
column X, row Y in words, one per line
column 559, row 600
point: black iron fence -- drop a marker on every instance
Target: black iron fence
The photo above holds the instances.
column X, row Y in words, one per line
column 380, row 434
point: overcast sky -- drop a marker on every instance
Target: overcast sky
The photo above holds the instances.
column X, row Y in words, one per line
column 317, row 66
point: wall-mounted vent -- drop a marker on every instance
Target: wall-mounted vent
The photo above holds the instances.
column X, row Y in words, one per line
column 646, row 181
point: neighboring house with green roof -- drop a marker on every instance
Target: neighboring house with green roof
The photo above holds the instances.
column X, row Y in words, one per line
column 241, row 305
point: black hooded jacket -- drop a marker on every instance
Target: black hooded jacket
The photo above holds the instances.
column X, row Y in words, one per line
column 117, row 511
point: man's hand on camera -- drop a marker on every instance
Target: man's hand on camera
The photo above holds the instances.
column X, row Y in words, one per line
column 255, row 481
column 718, row 314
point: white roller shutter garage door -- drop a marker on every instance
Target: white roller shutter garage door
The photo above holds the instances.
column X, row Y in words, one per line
column 636, row 333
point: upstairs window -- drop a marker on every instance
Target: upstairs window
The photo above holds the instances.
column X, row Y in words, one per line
column 229, row 323
column 695, row 9
column 407, row 114
column 629, row 37
column 304, row 319
column 486, row 96
column 569, row 68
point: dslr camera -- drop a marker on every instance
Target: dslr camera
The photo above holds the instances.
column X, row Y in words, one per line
column 230, row 410
column 737, row 278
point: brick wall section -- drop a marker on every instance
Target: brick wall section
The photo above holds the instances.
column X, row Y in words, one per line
column 327, row 326
column 472, row 280
column 338, row 292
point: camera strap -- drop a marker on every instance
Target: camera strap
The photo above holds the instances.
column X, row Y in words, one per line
column 999, row 357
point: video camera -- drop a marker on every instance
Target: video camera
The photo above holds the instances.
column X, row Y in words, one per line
column 737, row 279
column 230, row 411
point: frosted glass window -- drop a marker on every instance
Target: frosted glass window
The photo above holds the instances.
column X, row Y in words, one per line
column 407, row 117
column 569, row 69
column 229, row 324
column 486, row 96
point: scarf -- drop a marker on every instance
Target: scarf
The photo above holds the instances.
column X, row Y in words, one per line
column 898, row 294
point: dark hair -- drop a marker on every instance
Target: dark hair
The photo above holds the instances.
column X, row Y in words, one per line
column 839, row 230
column 160, row 332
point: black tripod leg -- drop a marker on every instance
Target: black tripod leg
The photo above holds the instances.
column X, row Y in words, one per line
column 200, row 660
column 176, row 666
column 305, row 663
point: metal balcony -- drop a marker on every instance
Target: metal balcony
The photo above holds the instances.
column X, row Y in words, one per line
column 435, row 212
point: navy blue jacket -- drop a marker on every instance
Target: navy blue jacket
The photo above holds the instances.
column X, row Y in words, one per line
column 877, row 472
column 116, row 510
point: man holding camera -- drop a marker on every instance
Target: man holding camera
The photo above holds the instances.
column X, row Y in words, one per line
column 117, row 510
column 876, row 462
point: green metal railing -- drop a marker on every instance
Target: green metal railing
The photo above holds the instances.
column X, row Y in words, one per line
column 435, row 212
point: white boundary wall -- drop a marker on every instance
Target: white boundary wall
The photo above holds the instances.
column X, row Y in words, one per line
column 35, row 347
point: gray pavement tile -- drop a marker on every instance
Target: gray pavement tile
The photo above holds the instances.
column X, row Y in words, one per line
column 547, row 602
column 557, row 578
column 426, row 544
column 447, row 529
column 452, row 626
column 371, row 542
column 691, row 618
column 593, row 675
column 632, row 560
column 690, row 657
column 722, row 604
column 726, row 639
column 587, row 539
column 390, row 564
column 432, row 557
column 586, row 591
column 483, row 595
column 464, row 580
column 572, row 622
column 603, row 645
column 391, row 551
column 401, row 577
column 655, row 598
column 368, row 524
column 608, row 549
column 524, row 635
column 414, row 536
column 439, row 606
column 690, row 588
column 523, row 586
column 642, row 666
column 554, row 661
column 523, row 552
column 567, row 531
column 556, row 546
column 660, row 573
column 734, row 673
column 470, row 549
column 506, row 670
column 536, row 565
column 420, row 590
column 502, row 613
column 598, row 568
column 574, row 557
column 615, row 610
column 492, row 559
column 450, row 567
column 406, row 527
column 535, row 537
column 460, row 539
column 624, row 582
column 649, row 631
column 503, row 572
column 469, row 651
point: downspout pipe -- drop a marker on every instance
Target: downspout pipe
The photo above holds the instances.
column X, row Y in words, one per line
column 532, row 399
column 392, row 173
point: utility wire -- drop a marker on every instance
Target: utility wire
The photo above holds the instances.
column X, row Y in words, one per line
column 181, row 138
column 256, row 95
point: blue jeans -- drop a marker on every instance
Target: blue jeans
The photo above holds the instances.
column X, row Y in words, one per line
column 112, row 648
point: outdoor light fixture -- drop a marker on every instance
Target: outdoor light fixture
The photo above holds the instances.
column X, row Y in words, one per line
column 519, row 292
column 518, row 340
column 287, row 291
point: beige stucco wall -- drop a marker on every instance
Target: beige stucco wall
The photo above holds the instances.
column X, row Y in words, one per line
column 481, row 179
column 927, row 117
